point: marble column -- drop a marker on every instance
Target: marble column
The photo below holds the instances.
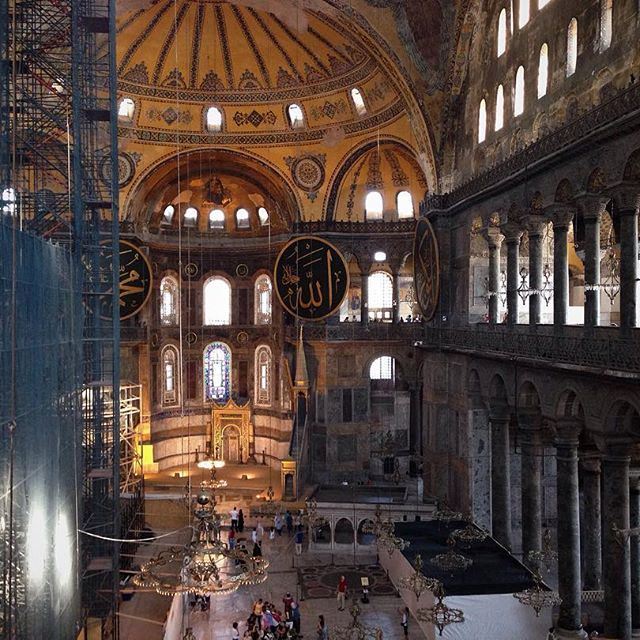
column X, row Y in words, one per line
column 569, row 582
column 364, row 298
column 615, row 561
column 634, row 542
column 535, row 227
column 592, row 208
column 529, row 429
column 500, row 476
column 512, row 234
column 396, row 296
column 561, row 215
column 494, row 240
column 591, row 526
column 628, row 201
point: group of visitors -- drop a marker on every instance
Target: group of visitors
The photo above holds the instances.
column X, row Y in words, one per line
column 237, row 519
column 269, row 622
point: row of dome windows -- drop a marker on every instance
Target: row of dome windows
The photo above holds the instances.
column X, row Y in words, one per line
column 374, row 205
column 214, row 116
column 216, row 217
column 543, row 70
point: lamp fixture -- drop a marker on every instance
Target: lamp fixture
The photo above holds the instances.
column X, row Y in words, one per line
column 356, row 630
column 440, row 615
column 417, row 582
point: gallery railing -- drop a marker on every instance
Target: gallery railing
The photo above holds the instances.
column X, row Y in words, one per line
column 346, row 331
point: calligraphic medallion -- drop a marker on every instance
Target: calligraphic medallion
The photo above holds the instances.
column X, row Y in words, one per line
column 426, row 268
column 135, row 281
column 311, row 278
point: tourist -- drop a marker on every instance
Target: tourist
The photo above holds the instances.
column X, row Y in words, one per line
column 240, row 521
column 234, row 517
column 277, row 521
column 235, row 634
column 341, row 593
column 298, row 540
column 288, row 518
column 272, row 534
column 294, row 616
column 260, row 530
column 257, row 613
column 323, row 631
column 287, row 601
column 232, row 539
column 257, row 550
column 255, row 537
column 405, row 621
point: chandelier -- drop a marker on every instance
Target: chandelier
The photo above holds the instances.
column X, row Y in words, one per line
column 267, row 507
column 440, row 615
column 537, row 597
column 547, row 556
column 468, row 535
column 383, row 530
column 418, row 582
column 392, row 543
column 355, row 630
column 444, row 514
column 310, row 517
column 204, row 566
column 451, row 561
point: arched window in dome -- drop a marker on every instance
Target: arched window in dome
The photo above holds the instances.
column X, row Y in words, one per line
column 8, row 202
column 543, row 70
column 499, row 108
column 263, row 375
column 263, row 216
column 216, row 372
column 190, row 217
column 482, row 121
column 606, row 24
column 126, row 109
column 216, row 219
column 262, row 300
column 404, row 204
column 358, row 101
column 523, row 13
column 214, row 119
column 383, row 368
column 167, row 214
column 373, row 206
column 572, row 47
column 518, row 103
column 170, row 376
column 380, row 297
column 169, row 301
column 296, row 117
column 242, row 218
column 543, row 3
column 216, row 301
column 502, row 32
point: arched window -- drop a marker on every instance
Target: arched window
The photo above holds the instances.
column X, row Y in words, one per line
column 543, row 70
column 169, row 301
column 242, row 218
column 572, row 47
column 216, row 219
column 499, row 108
column 502, row 32
column 296, row 117
column 373, row 206
column 167, row 214
column 383, row 368
column 606, row 24
column 262, row 300
column 216, row 372
column 482, row 121
column 358, row 101
column 523, row 13
column 543, row 3
column 518, row 103
column 9, row 201
column 214, row 119
column 263, row 375
column 216, row 302
column 263, row 216
column 170, row 376
column 126, row 108
column 190, row 217
column 380, row 296
column 404, row 204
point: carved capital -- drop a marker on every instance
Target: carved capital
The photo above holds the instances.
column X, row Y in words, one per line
column 627, row 199
column 561, row 215
column 590, row 464
column 535, row 224
column 529, row 420
column 567, row 431
column 512, row 232
column 494, row 237
column 592, row 206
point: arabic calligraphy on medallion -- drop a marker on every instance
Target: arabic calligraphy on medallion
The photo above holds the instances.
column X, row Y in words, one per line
column 311, row 278
column 426, row 265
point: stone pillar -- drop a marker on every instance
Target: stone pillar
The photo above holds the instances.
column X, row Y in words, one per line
column 562, row 215
column 615, row 561
column 364, row 298
column 529, row 425
column 512, row 234
column 494, row 240
column 535, row 227
column 628, row 201
column 396, row 296
column 591, row 526
column 592, row 209
column 500, row 476
column 569, row 582
column 634, row 522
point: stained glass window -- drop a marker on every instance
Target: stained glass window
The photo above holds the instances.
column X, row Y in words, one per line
column 169, row 301
column 262, row 301
column 217, row 372
column 263, row 375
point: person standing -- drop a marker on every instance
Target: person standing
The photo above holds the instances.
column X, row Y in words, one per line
column 287, row 601
column 405, row 621
column 323, row 631
column 277, row 522
column 232, row 539
column 260, row 530
column 288, row 518
column 341, row 593
column 240, row 521
column 298, row 540
column 235, row 633
column 254, row 536
column 295, row 616
column 234, row 518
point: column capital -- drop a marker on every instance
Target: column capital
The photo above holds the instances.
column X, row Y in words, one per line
column 592, row 206
column 590, row 464
column 499, row 413
column 627, row 198
column 617, row 451
column 530, row 421
column 561, row 215
column 512, row 232
column 634, row 479
column 567, row 431
column 494, row 237
column 535, row 224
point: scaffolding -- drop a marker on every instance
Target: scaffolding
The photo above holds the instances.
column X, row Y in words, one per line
column 60, row 317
